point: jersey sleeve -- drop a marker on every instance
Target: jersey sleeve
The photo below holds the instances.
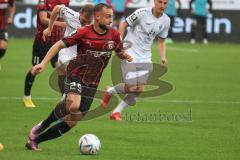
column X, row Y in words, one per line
column 42, row 5
column 75, row 38
column 69, row 16
column 164, row 33
column 11, row 3
column 118, row 41
column 135, row 16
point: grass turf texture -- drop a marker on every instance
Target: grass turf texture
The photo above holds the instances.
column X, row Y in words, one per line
column 206, row 82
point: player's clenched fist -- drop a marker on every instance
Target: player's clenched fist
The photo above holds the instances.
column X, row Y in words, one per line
column 164, row 62
column 46, row 33
column 38, row 68
column 126, row 56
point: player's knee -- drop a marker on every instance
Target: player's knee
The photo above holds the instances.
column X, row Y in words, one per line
column 2, row 52
column 72, row 104
column 3, row 44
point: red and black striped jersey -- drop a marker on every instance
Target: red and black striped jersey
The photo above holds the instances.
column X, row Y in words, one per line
column 93, row 53
column 4, row 4
column 57, row 32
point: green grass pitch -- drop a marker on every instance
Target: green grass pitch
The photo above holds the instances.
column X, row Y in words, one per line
column 206, row 94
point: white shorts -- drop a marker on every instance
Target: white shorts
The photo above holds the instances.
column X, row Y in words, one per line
column 134, row 73
column 66, row 55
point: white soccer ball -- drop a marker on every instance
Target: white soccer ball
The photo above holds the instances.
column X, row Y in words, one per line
column 89, row 144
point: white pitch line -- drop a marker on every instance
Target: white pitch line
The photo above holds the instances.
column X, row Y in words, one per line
column 39, row 98
column 151, row 100
column 183, row 49
column 194, row 101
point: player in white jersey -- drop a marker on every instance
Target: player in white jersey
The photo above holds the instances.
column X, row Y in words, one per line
column 145, row 24
column 73, row 20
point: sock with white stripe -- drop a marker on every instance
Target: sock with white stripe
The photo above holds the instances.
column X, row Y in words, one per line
column 28, row 83
column 55, row 131
column 129, row 100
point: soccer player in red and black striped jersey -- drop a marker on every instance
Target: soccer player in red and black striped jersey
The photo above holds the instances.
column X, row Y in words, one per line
column 95, row 44
column 41, row 47
column 4, row 5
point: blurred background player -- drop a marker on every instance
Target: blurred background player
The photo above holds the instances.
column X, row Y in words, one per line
column 199, row 12
column 83, row 74
column 41, row 47
column 4, row 5
column 145, row 24
column 73, row 20
column 172, row 11
column 119, row 8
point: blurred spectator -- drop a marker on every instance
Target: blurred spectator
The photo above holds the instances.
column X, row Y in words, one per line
column 119, row 7
column 5, row 6
column 199, row 12
column 172, row 12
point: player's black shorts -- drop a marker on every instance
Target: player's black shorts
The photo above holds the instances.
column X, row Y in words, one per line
column 3, row 35
column 74, row 84
column 39, row 51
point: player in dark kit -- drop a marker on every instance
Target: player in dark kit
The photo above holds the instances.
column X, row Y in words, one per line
column 41, row 47
column 4, row 5
column 95, row 44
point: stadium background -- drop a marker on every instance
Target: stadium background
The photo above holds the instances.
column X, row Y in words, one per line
column 223, row 25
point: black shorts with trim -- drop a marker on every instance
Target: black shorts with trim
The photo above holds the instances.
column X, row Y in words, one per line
column 3, row 35
column 74, row 85
column 39, row 51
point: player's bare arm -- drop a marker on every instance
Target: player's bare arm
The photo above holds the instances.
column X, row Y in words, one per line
column 50, row 54
column 52, row 21
column 162, row 50
column 12, row 11
column 45, row 20
column 124, row 55
column 122, row 28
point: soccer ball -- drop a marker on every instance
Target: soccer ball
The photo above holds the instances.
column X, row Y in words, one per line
column 89, row 144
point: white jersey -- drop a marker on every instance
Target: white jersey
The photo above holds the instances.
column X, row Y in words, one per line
column 72, row 19
column 144, row 28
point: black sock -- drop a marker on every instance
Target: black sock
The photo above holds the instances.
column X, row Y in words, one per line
column 2, row 52
column 54, row 132
column 47, row 122
column 28, row 83
column 61, row 79
column 58, row 113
